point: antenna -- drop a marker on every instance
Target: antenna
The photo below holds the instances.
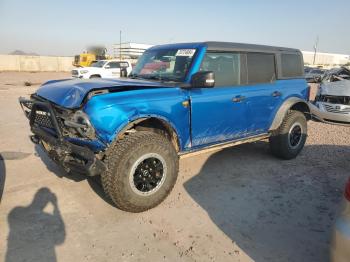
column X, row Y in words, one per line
column 120, row 44
column 315, row 49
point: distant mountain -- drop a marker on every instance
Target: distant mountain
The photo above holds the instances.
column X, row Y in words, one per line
column 20, row 52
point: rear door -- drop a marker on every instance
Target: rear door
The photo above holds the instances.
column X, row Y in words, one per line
column 219, row 114
column 263, row 93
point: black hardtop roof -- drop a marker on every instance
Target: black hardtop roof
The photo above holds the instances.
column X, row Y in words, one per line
column 228, row 46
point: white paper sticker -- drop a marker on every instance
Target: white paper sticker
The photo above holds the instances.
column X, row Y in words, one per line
column 185, row 52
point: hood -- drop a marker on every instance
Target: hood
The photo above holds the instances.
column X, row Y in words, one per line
column 338, row 88
column 70, row 93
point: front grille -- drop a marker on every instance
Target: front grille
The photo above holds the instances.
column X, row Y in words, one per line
column 75, row 72
column 338, row 109
column 43, row 119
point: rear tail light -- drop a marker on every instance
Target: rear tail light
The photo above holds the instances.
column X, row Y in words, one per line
column 347, row 190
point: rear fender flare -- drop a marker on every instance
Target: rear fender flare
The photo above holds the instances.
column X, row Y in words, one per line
column 282, row 111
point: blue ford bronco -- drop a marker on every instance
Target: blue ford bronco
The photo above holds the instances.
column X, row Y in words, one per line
column 180, row 99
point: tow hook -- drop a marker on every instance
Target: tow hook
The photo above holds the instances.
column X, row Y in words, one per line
column 34, row 139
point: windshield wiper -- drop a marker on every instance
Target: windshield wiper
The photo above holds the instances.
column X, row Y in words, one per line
column 132, row 75
column 172, row 79
column 135, row 76
column 162, row 79
column 154, row 77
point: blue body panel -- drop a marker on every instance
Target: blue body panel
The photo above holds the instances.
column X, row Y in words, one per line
column 216, row 118
column 211, row 118
column 110, row 113
column 70, row 93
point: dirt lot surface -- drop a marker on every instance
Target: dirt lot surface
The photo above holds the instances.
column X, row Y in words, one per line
column 238, row 204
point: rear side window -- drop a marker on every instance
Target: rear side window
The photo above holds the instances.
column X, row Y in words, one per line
column 261, row 68
column 226, row 67
column 291, row 65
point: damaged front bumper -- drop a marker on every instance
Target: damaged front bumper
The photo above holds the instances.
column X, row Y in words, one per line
column 337, row 114
column 47, row 132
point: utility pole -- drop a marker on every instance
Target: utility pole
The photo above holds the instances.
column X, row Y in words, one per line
column 120, row 44
column 315, row 50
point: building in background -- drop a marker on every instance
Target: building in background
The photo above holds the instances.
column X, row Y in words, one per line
column 129, row 50
column 326, row 60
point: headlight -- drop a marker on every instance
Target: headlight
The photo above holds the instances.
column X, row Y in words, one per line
column 81, row 122
column 83, row 71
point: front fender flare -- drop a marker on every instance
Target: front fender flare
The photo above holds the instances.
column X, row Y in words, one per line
column 282, row 111
column 139, row 118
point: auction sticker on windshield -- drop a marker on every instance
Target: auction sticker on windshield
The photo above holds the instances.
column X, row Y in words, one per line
column 185, row 52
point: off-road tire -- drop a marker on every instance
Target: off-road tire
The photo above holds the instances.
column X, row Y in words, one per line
column 120, row 158
column 279, row 140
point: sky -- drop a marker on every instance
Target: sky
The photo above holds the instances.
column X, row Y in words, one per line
column 52, row 27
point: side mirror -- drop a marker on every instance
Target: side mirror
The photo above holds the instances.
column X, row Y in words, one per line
column 204, row 79
column 107, row 66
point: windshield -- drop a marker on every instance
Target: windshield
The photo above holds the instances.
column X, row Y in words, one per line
column 98, row 64
column 164, row 64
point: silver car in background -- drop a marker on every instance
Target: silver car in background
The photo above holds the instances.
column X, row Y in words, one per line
column 314, row 75
column 332, row 102
column 340, row 245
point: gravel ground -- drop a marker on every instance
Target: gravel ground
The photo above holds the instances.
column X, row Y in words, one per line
column 238, row 204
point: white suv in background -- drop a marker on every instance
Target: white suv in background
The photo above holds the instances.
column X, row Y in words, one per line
column 103, row 69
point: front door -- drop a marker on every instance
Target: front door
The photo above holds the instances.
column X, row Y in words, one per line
column 219, row 114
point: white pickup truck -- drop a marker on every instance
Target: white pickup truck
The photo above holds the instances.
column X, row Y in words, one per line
column 103, row 69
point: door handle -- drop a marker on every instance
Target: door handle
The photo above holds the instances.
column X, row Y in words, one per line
column 238, row 99
column 276, row 94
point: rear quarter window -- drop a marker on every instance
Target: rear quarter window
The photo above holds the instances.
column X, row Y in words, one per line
column 261, row 68
column 291, row 65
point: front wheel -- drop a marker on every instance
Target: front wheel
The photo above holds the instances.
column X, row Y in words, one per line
column 142, row 170
column 289, row 139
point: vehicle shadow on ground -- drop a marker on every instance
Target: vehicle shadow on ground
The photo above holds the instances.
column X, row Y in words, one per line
column 274, row 210
column 94, row 182
column 2, row 176
column 34, row 233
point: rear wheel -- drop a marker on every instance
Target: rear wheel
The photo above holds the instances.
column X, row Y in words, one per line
column 289, row 139
column 142, row 170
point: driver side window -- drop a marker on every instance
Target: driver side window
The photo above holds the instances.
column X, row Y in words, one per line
column 226, row 68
